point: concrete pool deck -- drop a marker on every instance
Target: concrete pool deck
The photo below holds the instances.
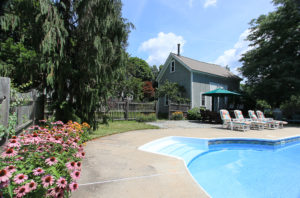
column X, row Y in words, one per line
column 114, row 167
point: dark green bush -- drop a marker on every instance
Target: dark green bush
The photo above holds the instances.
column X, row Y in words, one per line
column 194, row 114
column 291, row 107
column 146, row 117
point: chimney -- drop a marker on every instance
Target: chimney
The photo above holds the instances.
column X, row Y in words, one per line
column 178, row 49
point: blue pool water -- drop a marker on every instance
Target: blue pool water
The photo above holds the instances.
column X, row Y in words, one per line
column 238, row 167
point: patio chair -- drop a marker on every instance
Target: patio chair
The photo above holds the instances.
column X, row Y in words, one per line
column 233, row 124
column 261, row 116
column 254, row 124
column 268, row 124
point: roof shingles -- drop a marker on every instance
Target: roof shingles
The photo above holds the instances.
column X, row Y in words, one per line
column 205, row 67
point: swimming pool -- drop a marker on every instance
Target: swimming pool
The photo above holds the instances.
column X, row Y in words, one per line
column 238, row 167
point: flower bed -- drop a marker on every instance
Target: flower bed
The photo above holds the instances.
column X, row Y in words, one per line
column 44, row 161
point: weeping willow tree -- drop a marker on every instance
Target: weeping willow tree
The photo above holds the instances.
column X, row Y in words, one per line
column 76, row 45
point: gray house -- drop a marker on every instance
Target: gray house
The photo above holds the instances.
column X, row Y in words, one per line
column 197, row 78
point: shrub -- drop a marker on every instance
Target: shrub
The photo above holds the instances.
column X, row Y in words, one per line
column 291, row 106
column 262, row 105
column 194, row 114
column 178, row 115
column 146, row 117
column 45, row 161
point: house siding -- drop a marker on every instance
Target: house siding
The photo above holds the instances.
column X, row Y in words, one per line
column 181, row 76
column 201, row 83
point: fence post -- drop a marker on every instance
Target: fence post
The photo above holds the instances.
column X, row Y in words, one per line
column 126, row 109
column 5, row 100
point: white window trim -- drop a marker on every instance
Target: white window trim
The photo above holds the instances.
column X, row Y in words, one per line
column 173, row 61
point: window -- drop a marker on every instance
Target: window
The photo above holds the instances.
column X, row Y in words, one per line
column 202, row 99
column 172, row 66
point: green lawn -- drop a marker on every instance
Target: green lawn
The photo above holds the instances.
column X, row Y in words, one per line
column 119, row 127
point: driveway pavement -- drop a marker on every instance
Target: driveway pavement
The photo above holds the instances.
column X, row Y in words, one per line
column 115, row 168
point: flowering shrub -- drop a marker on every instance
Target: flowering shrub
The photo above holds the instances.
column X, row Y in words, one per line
column 44, row 161
column 178, row 115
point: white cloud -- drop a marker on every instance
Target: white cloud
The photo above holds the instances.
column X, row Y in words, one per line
column 159, row 47
column 208, row 3
column 232, row 56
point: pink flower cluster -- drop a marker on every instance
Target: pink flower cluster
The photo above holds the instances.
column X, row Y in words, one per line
column 43, row 146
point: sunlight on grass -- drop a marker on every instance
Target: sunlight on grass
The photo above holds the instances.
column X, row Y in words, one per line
column 119, row 127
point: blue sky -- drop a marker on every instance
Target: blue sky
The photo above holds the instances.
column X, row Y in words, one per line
column 209, row 30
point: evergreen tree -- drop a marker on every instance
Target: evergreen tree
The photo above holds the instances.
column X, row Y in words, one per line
column 79, row 46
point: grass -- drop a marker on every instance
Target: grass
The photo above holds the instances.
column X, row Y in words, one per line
column 119, row 127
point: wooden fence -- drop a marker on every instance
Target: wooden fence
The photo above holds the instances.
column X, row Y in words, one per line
column 173, row 107
column 126, row 110
column 22, row 105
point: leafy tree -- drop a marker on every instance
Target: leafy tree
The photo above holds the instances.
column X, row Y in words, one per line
column 155, row 72
column 148, row 90
column 272, row 66
column 139, row 68
column 173, row 91
column 79, row 45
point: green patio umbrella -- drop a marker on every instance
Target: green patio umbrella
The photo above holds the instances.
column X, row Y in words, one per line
column 220, row 92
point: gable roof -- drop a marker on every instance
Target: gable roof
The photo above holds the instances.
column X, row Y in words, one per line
column 198, row 66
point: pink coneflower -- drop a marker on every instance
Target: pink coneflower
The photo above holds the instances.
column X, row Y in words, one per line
column 10, row 152
column 71, row 165
column 73, row 186
column 51, row 161
column 4, row 175
column 78, row 164
column 14, row 143
column 31, row 185
column 20, row 158
column 47, row 180
column 75, row 175
column 55, row 191
column 35, row 137
column 20, row 178
column 62, row 182
column 4, row 184
column 80, row 154
column 11, row 168
column 38, row 171
column 21, row 191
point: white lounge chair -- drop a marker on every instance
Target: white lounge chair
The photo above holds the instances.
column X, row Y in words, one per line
column 268, row 124
column 254, row 124
column 233, row 124
column 261, row 116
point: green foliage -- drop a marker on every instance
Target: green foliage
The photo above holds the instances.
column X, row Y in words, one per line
column 194, row 114
column 146, row 117
column 178, row 115
column 70, row 54
column 262, row 104
column 140, row 69
column 291, row 106
column 174, row 91
column 272, row 66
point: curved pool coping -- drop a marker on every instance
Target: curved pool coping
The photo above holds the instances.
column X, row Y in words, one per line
column 277, row 144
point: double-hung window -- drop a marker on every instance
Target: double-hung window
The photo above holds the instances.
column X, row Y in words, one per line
column 172, row 66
